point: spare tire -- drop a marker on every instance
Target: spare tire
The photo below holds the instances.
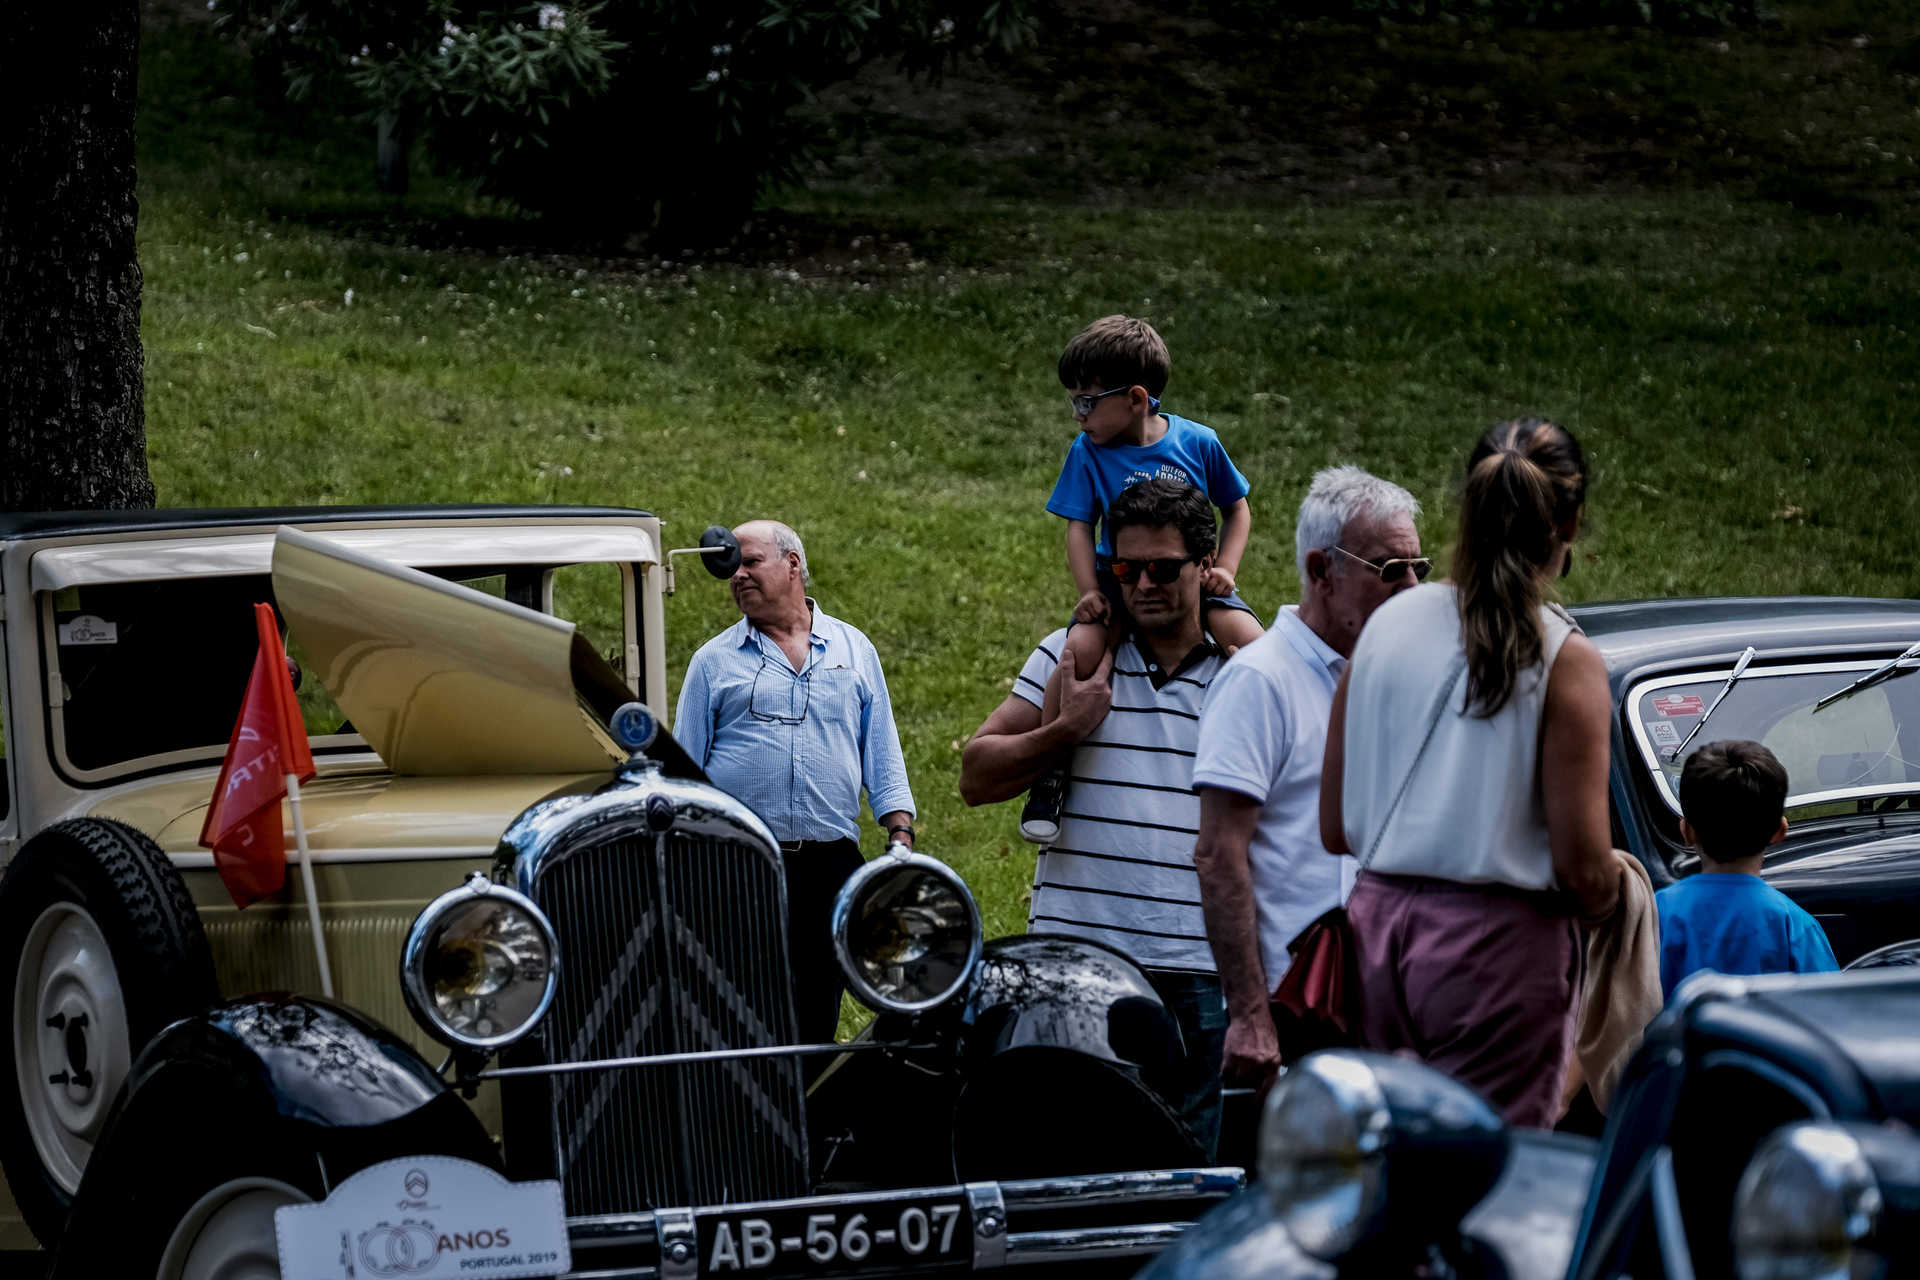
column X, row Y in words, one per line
column 100, row 947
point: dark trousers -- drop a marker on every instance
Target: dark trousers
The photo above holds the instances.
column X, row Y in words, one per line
column 815, row 871
column 1195, row 1001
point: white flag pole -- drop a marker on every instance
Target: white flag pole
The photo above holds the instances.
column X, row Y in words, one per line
column 306, row 881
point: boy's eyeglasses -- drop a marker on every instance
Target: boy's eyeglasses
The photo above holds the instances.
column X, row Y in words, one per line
column 1161, row 571
column 1391, row 571
column 768, row 708
column 1083, row 405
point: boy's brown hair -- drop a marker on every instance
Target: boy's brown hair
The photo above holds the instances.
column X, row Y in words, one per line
column 1116, row 351
column 1733, row 793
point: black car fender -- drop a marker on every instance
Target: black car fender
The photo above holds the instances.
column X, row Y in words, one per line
column 328, row 1076
column 301, row 1091
column 1069, row 1036
column 1060, row 1058
column 1047, row 990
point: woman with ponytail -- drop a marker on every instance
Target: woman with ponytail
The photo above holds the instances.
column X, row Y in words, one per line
column 1466, row 766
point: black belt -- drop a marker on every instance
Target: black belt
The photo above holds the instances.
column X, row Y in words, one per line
column 798, row 846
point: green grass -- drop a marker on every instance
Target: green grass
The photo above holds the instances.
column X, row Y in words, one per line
column 1742, row 374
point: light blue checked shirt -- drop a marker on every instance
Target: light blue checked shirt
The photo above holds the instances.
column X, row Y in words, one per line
column 795, row 748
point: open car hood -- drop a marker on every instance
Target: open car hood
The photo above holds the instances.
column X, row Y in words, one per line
column 441, row 679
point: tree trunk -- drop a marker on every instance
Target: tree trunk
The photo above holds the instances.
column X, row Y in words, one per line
column 72, row 425
column 393, row 140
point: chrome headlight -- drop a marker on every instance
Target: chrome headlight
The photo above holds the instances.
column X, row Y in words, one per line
column 907, row 932
column 1323, row 1153
column 480, row 966
column 1810, row 1204
column 1348, row 1136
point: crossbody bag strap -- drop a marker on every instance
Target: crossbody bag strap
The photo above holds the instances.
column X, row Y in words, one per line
column 1433, row 720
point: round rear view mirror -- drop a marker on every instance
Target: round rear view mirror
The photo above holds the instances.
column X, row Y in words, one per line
column 721, row 564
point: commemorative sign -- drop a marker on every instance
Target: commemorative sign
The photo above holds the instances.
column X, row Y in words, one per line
column 426, row 1218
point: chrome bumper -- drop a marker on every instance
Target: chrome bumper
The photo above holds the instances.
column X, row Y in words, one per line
column 604, row 1247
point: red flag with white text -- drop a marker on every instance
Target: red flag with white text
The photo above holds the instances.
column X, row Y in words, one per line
column 269, row 742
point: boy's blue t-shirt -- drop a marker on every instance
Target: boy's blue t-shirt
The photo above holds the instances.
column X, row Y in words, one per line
column 1094, row 475
column 1738, row 924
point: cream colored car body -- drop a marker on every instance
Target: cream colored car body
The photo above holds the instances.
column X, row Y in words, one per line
column 468, row 711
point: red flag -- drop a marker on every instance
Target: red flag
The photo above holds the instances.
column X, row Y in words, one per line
column 269, row 742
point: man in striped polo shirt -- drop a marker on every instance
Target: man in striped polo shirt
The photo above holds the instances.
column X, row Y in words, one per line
column 1121, row 869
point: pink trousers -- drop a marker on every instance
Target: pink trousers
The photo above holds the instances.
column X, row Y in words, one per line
column 1478, row 981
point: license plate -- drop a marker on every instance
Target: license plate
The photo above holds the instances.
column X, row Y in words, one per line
column 834, row 1238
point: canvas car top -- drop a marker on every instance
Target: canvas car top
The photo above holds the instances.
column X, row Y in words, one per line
column 15, row 525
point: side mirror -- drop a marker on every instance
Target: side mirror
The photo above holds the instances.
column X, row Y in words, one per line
column 720, row 551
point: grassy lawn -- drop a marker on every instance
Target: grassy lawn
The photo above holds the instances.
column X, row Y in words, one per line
column 1742, row 372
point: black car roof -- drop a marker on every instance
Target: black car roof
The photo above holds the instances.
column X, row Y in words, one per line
column 1632, row 634
column 16, row 525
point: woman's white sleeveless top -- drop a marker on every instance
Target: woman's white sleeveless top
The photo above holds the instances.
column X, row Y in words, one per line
column 1473, row 811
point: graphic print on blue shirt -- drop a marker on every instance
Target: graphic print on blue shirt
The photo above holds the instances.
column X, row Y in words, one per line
column 1094, row 475
column 1735, row 924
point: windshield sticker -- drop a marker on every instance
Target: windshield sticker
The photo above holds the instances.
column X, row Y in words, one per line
column 1663, row 733
column 1680, row 704
column 87, row 629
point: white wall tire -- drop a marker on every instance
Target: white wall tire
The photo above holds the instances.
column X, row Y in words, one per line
column 70, row 1038
column 100, row 947
column 228, row 1233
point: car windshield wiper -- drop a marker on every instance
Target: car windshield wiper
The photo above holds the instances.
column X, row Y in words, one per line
column 1739, row 669
column 1886, row 671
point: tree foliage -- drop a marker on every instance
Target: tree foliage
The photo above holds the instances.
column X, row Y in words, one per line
column 667, row 116
column 1696, row 15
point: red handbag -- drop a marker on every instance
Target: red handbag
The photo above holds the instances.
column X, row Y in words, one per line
column 1318, row 988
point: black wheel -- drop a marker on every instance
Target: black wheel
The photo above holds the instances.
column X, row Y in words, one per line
column 100, row 947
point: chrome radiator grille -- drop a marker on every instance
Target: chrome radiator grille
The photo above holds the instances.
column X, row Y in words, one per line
column 671, row 947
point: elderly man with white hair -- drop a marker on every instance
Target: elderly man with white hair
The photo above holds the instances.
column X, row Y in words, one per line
column 1264, row 874
column 788, row 711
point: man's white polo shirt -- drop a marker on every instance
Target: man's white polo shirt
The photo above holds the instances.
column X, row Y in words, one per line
column 1263, row 734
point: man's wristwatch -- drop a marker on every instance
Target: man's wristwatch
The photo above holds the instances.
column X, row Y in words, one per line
column 896, row 830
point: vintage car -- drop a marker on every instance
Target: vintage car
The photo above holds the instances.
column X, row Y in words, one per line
column 1430, row 1178
column 1762, row 1131
column 562, row 1040
column 1852, row 853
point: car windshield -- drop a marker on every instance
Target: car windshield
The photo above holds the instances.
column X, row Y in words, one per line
column 152, row 670
column 1862, row 747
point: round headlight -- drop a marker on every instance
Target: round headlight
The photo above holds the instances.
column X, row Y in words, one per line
column 1805, row 1204
column 1323, row 1144
column 480, row 966
column 907, row 933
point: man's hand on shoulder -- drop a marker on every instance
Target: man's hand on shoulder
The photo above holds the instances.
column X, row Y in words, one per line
column 1251, row 1055
column 1084, row 703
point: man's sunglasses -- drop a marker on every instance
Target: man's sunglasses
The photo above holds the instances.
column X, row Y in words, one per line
column 1083, row 405
column 1161, row 571
column 1391, row 571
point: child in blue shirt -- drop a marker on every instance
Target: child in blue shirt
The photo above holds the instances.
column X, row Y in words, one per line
column 1114, row 371
column 1727, row 918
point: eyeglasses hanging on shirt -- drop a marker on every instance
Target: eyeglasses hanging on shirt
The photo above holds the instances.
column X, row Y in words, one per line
column 773, row 700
